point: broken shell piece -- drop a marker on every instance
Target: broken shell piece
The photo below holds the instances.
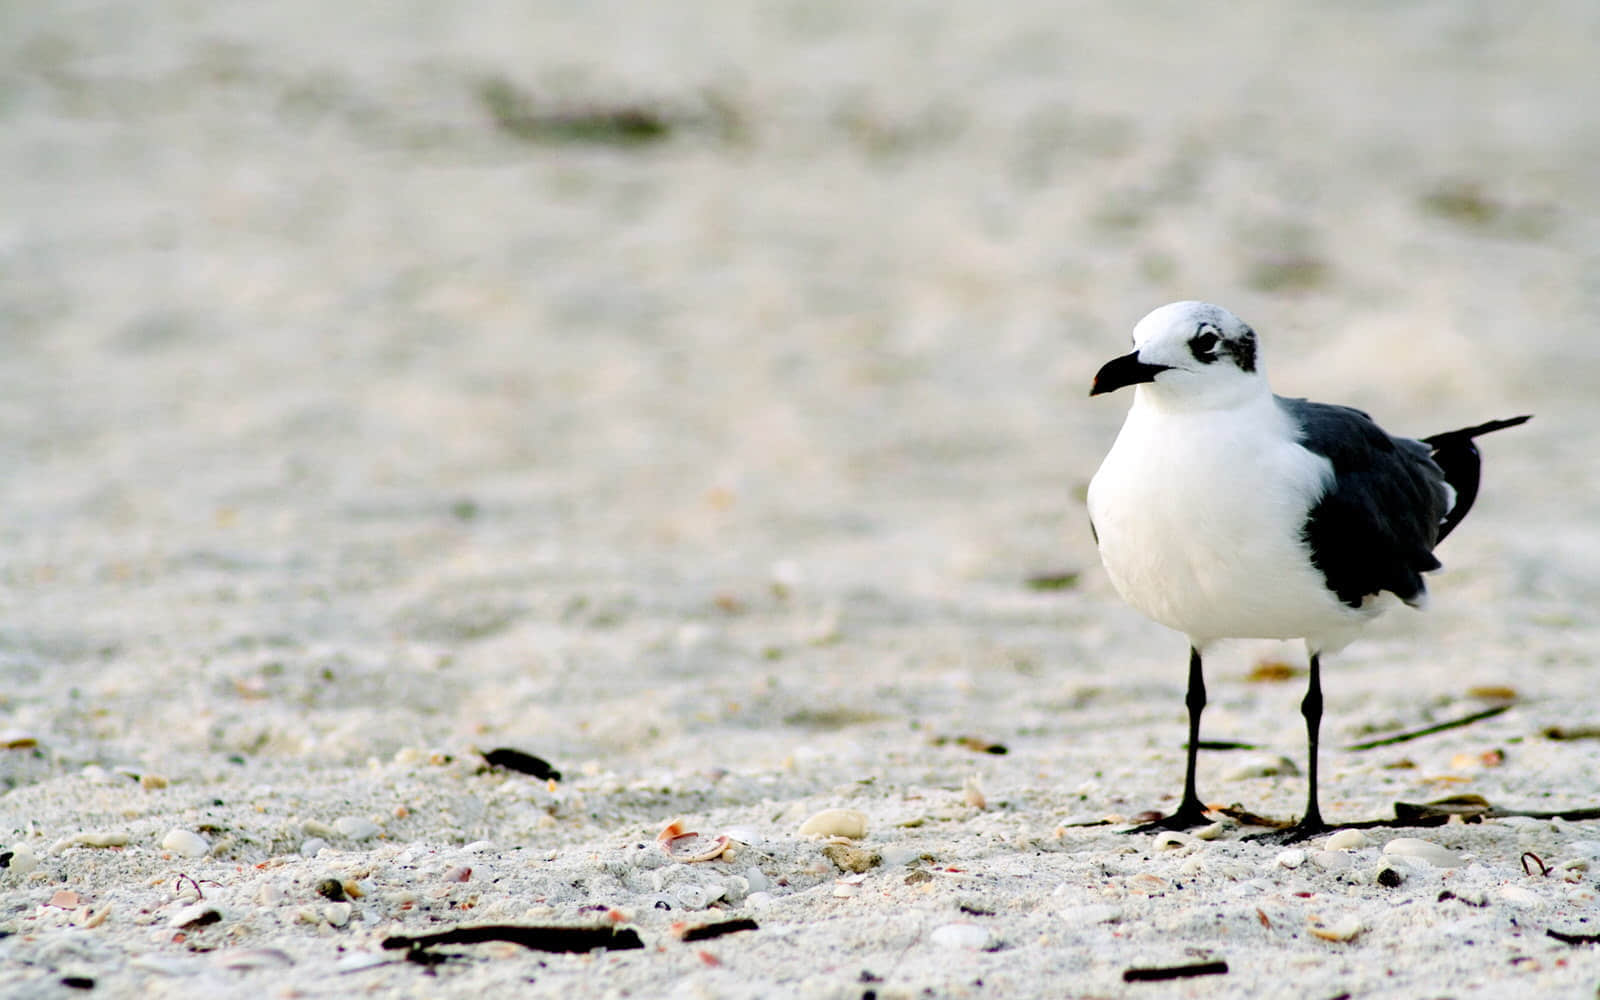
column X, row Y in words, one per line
column 846, row 823
column 697, row 848
column 1172, row 840
column 673, row 830
column 972, row 793
column 195, row 915
column 685, row 845
column 1344, row 929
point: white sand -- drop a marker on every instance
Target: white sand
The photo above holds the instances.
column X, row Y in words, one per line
column 345, row 432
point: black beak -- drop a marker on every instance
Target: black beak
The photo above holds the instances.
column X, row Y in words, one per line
column 1126, row 370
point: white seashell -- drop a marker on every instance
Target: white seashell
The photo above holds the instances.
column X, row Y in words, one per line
column 969, row 937
column 847, row 823
column 167, row 966
column 1344, row 929
column 358, row 960
column 185, row 842
column 1294, row 857
column 1346, row 840
column 758, row 900
column 244, row 959
column 1423, row 850
column 1516, row 895
column 356, row 827
column 1212, row 831
column 337, row 914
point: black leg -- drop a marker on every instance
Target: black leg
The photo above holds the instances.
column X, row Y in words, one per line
column 1311, row 708
column 1191, row 811
column 1311, row 823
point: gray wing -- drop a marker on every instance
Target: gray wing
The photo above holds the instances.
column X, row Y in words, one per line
column 1375, row 528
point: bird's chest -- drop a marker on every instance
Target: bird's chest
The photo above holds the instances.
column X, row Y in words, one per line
column 1200, row 526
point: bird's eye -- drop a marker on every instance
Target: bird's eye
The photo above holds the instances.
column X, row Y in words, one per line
column 1203, row 345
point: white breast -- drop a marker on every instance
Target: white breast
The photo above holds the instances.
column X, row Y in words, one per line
column 1199, row 516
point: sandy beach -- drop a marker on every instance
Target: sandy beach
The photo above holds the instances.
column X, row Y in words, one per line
column 695, row 396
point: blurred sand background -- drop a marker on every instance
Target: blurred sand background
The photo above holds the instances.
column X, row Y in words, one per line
column 685, row 393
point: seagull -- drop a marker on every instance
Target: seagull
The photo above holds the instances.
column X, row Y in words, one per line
column 1225, row 511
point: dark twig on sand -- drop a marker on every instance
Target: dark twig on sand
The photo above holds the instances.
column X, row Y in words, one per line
column 1465, row 720
column 1159, row 973
column 567, row 939
column 706, row 932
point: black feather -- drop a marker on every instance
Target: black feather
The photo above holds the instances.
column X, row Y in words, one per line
column 1375, row 528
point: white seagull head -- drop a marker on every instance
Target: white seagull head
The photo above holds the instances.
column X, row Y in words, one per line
column 1189, row 354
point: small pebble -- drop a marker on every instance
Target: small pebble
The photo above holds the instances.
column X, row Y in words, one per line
column 185, row 843
column 152, row 782
column 1423, row 850
column 851, row 859
column 1332, row 861
column 1346, row 840
column 1212, row 831
column 1294, row 857
column 1390, row 878
column 356, row 827
column 331, row 889
column 970, row 937
column 1270, row 767
column 23, row 861
column 757, row 879
column 692, row 896
column 847, row 823
column 337, row 914
column 105, row 838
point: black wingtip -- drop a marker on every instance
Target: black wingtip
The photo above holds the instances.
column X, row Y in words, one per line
column 1468, row 433
column 1458, row 458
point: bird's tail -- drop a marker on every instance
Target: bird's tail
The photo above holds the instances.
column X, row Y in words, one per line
column 1457, row 457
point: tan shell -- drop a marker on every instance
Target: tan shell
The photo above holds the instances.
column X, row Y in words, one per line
column 847, row 823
